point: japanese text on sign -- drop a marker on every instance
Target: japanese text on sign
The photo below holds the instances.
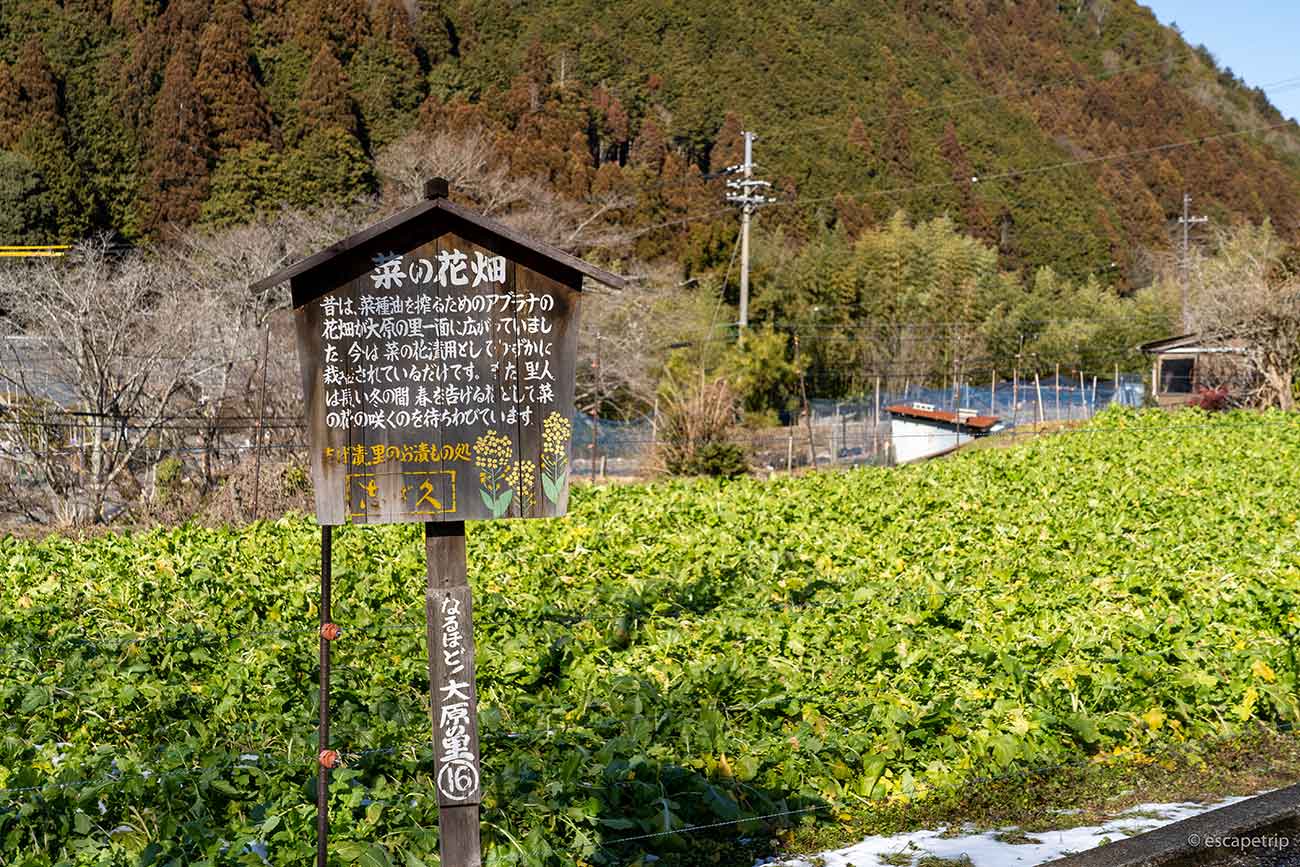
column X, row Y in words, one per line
column 457, row 764
column 405, row 357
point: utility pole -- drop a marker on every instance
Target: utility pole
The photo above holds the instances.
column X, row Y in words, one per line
column 749, row 200
column 1187, row 221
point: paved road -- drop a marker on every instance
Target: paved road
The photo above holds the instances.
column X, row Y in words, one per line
column 1278, row 846
column 1259, row 832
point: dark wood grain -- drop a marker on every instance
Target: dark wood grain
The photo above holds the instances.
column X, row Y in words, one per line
column 458, row 836
column 453, row 485
column 452, row 693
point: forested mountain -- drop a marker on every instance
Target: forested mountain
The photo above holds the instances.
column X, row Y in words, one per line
column 138, row 115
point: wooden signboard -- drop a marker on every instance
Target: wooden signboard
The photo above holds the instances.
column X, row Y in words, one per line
column 437, row 351
column 439, row 387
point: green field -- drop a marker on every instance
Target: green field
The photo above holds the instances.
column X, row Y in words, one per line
column 671, row 654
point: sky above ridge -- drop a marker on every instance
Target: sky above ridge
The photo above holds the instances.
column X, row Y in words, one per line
column 1255, row 38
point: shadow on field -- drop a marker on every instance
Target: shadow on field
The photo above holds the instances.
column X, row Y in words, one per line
column 730, row 823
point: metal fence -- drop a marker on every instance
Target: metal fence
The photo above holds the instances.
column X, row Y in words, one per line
column 857, row 431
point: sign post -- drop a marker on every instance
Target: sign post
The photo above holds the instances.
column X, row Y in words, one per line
column 453, row 698
column 437, row 351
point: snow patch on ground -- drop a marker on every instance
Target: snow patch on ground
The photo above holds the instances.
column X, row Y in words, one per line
column 996, row 848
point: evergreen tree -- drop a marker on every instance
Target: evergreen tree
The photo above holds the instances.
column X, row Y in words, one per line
column 109, row 148
column 390, row 22
column 178, row 148
column 385, row 76
column 38, row 89
column 328, row 166
column 729, row 144
column 325, row 102
column 650, row 147
column 10, row 108
column 26, row 213
column 341, row 25
column 536, row 73
column 42, row 137
column 234, row 104
column 252, row 179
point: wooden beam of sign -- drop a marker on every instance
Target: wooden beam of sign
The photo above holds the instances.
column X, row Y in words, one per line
column 453, row 696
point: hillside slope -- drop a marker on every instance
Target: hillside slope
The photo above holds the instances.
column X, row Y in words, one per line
column 135, row 115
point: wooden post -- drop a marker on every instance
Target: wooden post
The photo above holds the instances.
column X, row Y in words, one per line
column 654, row 426
column 1083, row 397
column 1015, row 394
column 812, row 442
column 453, row 707
column 1058, row 391
column 325, row 759
column 993, row 393
column 789, row 450
column 1093, row 403
column 875, row 421
column 835, row 432
column 261, row 422
column 1038, row 389
column 844, row 434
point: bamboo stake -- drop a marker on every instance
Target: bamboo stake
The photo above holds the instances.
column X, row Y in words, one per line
column 1058, row 391
column 1015, row 395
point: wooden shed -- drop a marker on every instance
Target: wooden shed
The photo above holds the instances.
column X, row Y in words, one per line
column 1182, row 364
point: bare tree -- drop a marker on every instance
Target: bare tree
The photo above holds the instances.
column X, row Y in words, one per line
column 118, row 345
column 1247, row 296
column 470, row 162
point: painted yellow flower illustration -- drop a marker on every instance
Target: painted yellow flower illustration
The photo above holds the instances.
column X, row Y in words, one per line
column 522, row 476
column 557, row 431
column 494, row 455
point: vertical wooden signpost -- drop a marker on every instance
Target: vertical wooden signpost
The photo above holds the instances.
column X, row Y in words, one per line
column 437, row 351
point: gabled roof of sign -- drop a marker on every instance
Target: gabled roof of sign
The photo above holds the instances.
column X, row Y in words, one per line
column 436, row 204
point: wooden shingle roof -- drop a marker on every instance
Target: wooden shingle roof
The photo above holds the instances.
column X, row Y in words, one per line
column 436, row 215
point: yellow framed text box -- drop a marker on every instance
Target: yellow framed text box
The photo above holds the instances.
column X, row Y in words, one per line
column 417, row 493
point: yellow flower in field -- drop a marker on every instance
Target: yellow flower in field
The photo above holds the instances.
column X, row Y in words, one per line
column 1154, row 718
column 1263, row 671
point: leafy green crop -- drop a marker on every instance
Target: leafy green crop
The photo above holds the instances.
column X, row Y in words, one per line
column 671, row 654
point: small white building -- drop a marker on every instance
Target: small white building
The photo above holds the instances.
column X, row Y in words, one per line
column 919, row 431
